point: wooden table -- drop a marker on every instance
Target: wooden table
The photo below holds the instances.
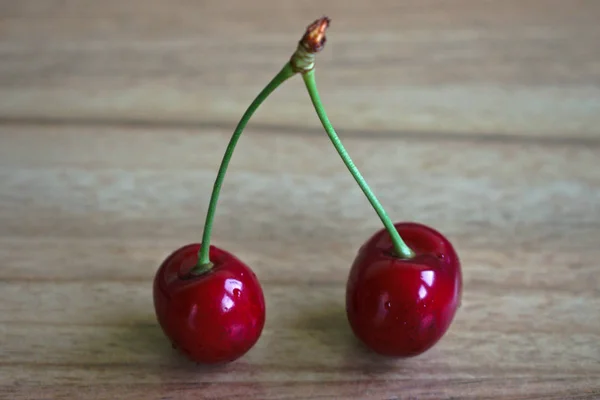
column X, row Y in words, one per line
column 481, row 118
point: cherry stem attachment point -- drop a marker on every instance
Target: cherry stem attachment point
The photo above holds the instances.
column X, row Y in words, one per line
column 400, row 247
column 204, row 262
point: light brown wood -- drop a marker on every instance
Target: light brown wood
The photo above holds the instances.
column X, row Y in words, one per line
column 477, row 117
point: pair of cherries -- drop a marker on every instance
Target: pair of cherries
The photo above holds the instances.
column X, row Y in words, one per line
column 402, row 292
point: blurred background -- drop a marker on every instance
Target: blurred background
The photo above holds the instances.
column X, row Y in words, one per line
column 482, row 67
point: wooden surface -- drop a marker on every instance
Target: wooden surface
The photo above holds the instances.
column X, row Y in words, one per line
column 480, row 118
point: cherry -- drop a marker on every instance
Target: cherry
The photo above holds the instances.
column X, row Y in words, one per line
column 403, row 306
column 209, row 304
column 402, row 294
column 211, row 317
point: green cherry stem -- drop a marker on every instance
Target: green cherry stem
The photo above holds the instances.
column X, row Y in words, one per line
column 301, row 61
column 204, row 262
column 400, row 247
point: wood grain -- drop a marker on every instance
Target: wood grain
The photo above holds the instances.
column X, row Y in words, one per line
column 467, row 66
column 479, row 118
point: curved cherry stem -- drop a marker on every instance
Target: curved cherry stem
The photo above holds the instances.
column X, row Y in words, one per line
column 301, row 61
column 400, row 247
column 204, row 262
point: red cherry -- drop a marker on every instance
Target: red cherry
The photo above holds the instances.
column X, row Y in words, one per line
column 402, row 307
column 213, row 317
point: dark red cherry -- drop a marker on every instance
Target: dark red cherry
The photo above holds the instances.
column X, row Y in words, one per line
column 402, row 307
column 214, row 317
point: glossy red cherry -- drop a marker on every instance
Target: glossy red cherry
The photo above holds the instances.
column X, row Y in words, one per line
column 213, row 317
column 402, row 307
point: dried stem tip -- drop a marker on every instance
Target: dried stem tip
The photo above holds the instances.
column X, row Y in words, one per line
column 314, row 39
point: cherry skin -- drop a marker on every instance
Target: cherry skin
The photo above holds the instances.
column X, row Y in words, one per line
column 214, row 317
column 402, row 307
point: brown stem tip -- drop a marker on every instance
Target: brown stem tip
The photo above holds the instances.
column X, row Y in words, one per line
column 314, row 39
